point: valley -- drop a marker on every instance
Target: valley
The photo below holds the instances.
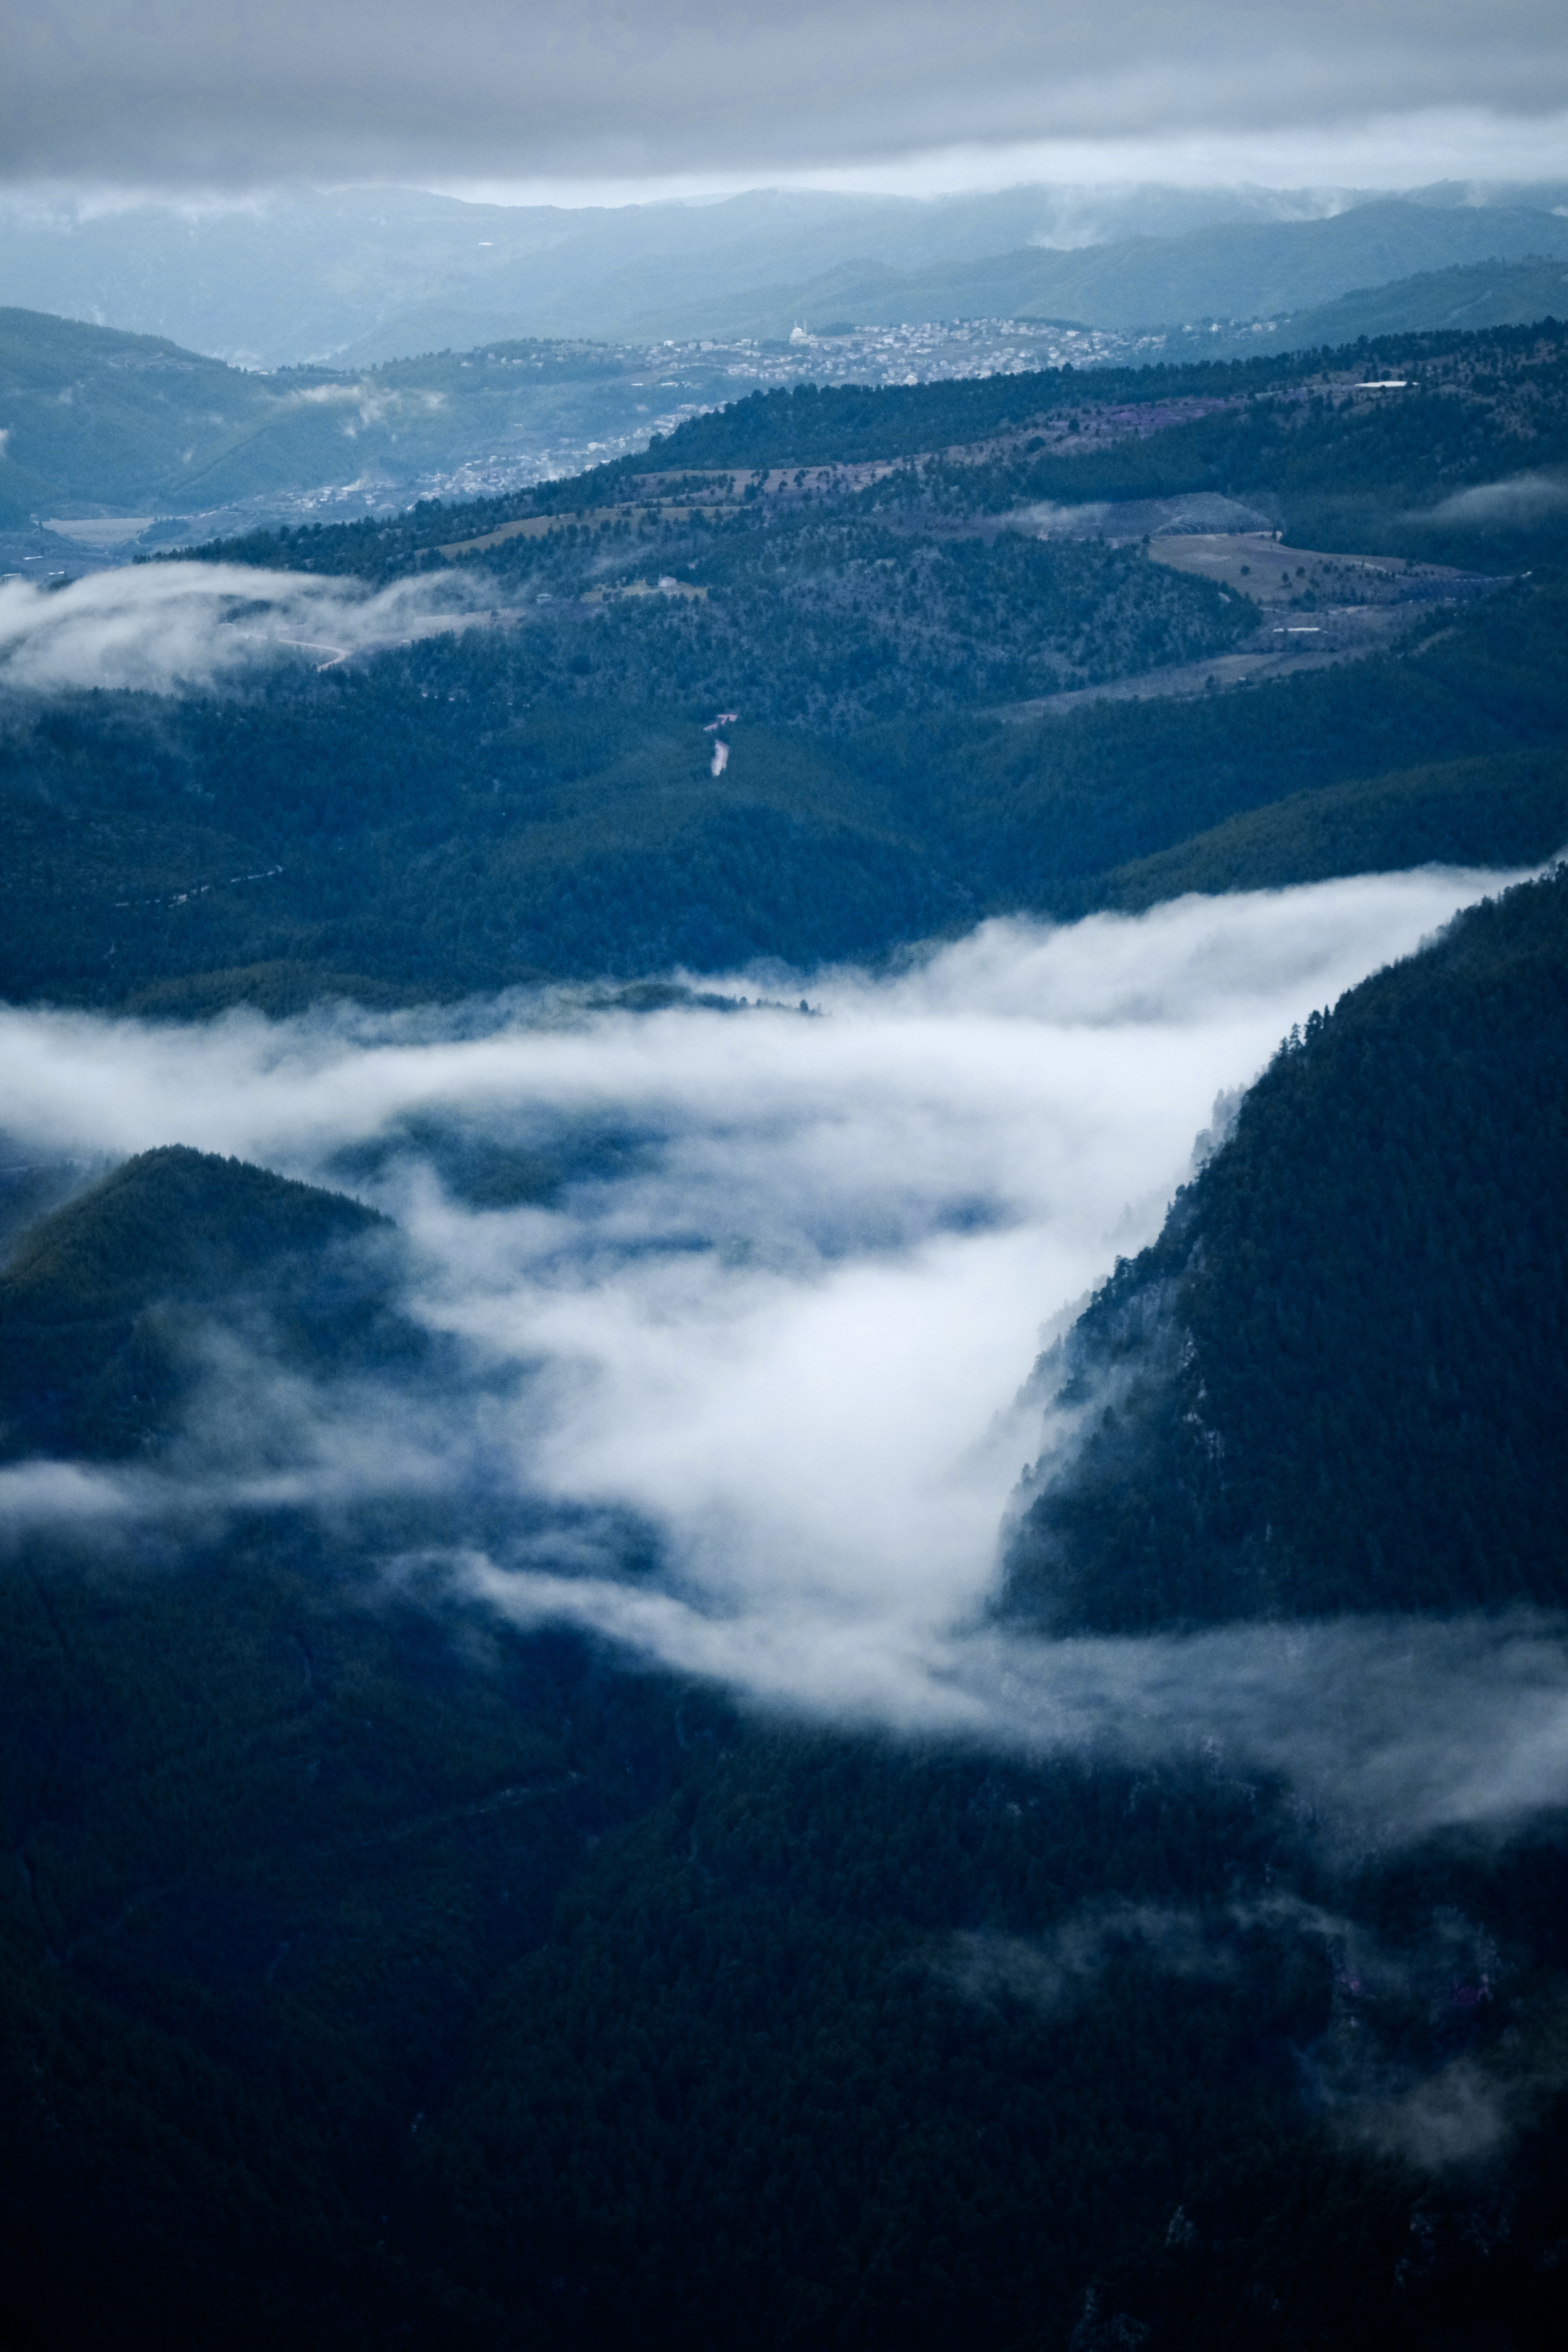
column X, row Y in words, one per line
column 783, row 1533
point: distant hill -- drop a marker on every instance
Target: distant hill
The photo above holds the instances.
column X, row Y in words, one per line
column 363, row 275
column 304, row 276
column 95, row 418
column 1510, row 811
column 1470, row 295
column 98, row 422
column 1233, row 269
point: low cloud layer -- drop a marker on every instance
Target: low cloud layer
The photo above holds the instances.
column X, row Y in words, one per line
column 228, row 96
column 1521, row 500
column 165, row 628
column 777, row 1312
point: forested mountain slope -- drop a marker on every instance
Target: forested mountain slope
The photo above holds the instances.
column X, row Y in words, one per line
column 382, row 1965
column 369, row 1971
column 539, row 800
column 513, row 777
column 1502, row 812
column 1295, row 427
column 1472, row 295
column 1337, row 1382
column 267, row 1831
column 135, row 425
column 102, row 1307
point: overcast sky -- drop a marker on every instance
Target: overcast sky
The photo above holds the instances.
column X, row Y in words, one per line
column 595, row 97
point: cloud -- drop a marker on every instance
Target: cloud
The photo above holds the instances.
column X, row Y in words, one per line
column 63, row 1493
column 775, row 1315
column 242, row 94
column 165, row 628
column 1521, row 499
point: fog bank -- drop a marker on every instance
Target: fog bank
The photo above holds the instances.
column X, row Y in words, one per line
column 773, row 1301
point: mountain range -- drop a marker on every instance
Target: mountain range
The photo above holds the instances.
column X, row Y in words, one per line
column 363, row 276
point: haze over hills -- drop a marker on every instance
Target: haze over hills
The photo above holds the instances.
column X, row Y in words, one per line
column 1468, row 295
column 381, row 273
column 303, row 277
column 1231, row 270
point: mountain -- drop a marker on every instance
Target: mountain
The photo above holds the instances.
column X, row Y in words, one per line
column 263, row 1820
column 103, row 426
column 123, row 436
column 102, row 1305
column 1235, row 270
column 1510, row 811
column 371, row 1969
column 100, row 420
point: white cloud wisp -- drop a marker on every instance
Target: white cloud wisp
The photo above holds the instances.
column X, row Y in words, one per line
column 168, row 628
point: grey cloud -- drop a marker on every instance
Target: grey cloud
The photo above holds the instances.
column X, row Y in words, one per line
column 1429, row 1725
column 245, row 93
column 52, row 1495
column 1455, row 2115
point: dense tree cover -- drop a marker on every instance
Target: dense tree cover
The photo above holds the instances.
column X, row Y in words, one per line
column 1291, row 429
column 370, row 1973
column 1052, row 808
column 1337, row 466
column 827, row 623
column 1467, row 294
column 464, row 815
column 812, row 426
column 1508, row 811
column 536, row 799
column 103, row 1306
column 270, row 1833
column 1336, row 1382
